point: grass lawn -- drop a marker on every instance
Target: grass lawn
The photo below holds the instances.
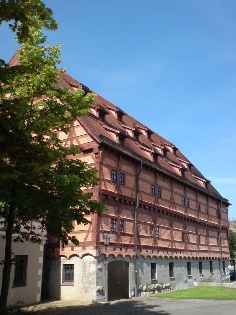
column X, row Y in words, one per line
column 201, row 292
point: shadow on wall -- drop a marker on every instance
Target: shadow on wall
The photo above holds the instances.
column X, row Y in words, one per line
column 115, row 308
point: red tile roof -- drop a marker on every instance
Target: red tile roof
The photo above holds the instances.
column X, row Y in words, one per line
column 99, row 130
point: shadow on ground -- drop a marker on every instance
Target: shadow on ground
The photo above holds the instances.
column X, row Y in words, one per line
column 130, row 307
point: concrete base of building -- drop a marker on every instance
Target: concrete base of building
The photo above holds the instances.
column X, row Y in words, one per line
column 106, row 278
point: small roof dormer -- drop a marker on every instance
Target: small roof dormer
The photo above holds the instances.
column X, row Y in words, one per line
column 164, row 150
column 119, row 115
column 171, row 147
column 136, row 133
column 99, row 111
column 155, row 155
column 121, row 136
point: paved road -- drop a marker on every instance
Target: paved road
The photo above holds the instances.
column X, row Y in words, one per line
column 142, row 306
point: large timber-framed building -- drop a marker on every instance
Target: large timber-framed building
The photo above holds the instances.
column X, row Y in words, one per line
column 165, row 222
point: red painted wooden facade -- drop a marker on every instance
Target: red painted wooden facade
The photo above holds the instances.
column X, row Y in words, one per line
column 180, row 214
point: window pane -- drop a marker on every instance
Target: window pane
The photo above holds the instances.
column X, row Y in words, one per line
column 153, row 190
column 153, row 271
column 211, row 267
column 200, row 267
column 68, row 273
column 187, row 237
column 171, row 269
column 122, row 178
column 189, row 268
column 186, row 202
column 20, row 270
column 158, row 192
column 151, row 231
column 223, row 266
column 113, row 224
column 122, row 226
column 114, row 176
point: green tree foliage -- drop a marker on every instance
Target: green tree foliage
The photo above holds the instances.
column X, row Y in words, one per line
column 23, row 15
column 38, row 181
column 232, row 244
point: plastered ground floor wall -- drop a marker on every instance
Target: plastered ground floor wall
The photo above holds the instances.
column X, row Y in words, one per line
column 83, row 288
column 30, row 292
column 91, row 275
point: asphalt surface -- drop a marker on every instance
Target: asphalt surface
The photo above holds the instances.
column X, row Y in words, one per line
column 140, row 306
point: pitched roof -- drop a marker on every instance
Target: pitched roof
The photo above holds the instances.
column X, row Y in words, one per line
column 170, row 159
column 14, row 60
column 172, row 163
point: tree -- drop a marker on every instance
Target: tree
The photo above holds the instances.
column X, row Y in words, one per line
column 232, row 243
column 38, row 181
column 23, row 15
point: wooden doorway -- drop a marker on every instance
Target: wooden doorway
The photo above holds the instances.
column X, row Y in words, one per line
column 118, row 280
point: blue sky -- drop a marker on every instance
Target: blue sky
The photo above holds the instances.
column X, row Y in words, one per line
column 170, row 64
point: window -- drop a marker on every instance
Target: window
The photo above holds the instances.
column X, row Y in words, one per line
column 153, row 189
column 101, row 116
column 206, row 209
column 153, row 271
column 136, row 135
column 149, row 134
column 223, row 266
column 121, row 140
column 187, row 237
column 198, row 206
column 200, row 267
column 171, row 270
column 158, row 192
column 122, row 226
column 211, row 266
column 155, row 157
column 157, row 232
column 119, row 116
column 114, row 176
column 122, row 178
column 113, row 225
column 151, row 231
column 20, row 276
column 189, row 268
column 185, row 202
column 68, row 274
column 198, row 239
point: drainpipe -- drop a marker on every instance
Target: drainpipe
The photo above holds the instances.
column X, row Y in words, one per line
column 136, row 231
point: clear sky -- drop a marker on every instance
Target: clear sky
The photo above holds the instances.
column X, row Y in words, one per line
column 171, row 64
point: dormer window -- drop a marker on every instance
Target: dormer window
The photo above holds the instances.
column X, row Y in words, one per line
column 136, row 134
column 149, row 134
column 101, row 115
column 101, row 112
column 121, row 139
column 164, row 150
column 155, row 157
column 183, row 170
column 119, row 116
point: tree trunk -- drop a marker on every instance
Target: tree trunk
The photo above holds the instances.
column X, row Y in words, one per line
column 6, row 273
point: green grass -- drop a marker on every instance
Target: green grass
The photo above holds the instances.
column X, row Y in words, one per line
column 201, row 292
